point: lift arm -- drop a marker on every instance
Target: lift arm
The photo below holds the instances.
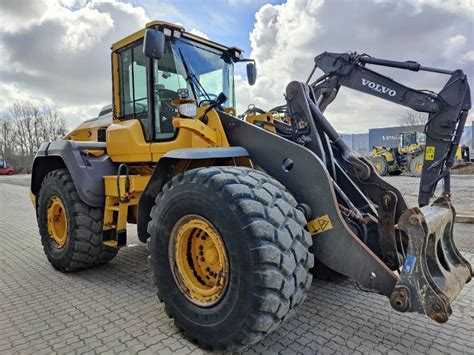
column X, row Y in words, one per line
column 448, row 109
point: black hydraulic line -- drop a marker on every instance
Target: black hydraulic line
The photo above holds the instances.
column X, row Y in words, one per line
column 361, row 169
column 457, row 139
column 436, row 70
column 355, row 213
column 311, row 74
column 408, row 65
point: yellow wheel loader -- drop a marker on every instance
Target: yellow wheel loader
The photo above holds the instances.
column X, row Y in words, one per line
column 235, row 216
column 408, row 156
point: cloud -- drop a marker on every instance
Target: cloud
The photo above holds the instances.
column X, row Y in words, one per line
column 454, row 45
column 286, row 38
column 199, row 33
column 63, row 52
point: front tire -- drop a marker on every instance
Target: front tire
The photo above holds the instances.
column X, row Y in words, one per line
column 381, row 165
column 71, row 231
column 266, row 251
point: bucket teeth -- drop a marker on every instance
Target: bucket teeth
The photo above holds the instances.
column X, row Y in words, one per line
column 434, row 271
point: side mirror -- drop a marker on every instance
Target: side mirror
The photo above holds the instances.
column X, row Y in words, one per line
column 154, row 44
column 251, row 73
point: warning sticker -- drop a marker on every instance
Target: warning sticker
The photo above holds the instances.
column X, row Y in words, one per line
column 429, row 153
column 320, row 224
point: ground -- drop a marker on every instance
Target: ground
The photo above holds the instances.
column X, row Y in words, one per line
column 114, row 308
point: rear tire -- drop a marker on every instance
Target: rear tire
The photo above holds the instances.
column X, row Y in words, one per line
column 82, row 247
column 266, row 244
column 381, row 165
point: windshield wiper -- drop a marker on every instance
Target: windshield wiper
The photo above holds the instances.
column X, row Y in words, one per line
column 193, row 80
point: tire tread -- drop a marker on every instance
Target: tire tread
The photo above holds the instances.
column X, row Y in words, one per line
column 279, row 246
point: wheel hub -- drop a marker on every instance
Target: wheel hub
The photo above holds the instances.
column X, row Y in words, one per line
column 419, row 166
column 378, row 166
column 57, row 221
column 198, row 260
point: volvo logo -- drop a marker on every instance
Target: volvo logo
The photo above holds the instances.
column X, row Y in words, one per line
column 379, row 88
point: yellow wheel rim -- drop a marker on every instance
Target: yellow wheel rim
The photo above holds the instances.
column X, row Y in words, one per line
column 198, row 260
column 378, row 167
column 419, row 167
column 57, row 221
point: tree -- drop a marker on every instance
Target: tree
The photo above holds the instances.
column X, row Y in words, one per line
column 410, row 118
column 7, row 138
column 25, row 125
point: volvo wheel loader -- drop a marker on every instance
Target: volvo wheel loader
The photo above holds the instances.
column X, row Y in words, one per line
column 408, row 156
column 235, row 216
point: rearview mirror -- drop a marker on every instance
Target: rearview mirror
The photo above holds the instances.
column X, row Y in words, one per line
column 154, row 44
column 251, row 73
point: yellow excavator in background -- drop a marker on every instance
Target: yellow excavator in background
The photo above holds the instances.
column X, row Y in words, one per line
column 236, row 218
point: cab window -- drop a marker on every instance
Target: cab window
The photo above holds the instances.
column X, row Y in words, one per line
column 168, row 78
column 133, row 84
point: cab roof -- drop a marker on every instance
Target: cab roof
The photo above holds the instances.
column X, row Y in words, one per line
column 141, row 33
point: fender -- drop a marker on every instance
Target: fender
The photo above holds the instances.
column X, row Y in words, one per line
column 87, row 171
column 164, row 171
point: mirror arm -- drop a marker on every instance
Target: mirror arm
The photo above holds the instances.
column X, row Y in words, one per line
column 246, row 60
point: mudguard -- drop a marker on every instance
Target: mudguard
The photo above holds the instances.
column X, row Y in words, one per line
column 87, row 170
column 163, row 172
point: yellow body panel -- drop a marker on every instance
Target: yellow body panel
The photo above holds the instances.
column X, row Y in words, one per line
column 267, row 118
column 82, row 134
column 459, row 153
column 120, row 199
column 381, row 151
column 126, row 142
column 191, row 136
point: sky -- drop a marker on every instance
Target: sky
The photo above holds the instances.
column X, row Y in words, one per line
column 59, row 50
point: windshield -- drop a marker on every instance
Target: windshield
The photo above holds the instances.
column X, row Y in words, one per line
column 213, row 69
column 412, row 138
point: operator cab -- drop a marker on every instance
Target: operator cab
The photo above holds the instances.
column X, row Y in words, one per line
column 178, row 65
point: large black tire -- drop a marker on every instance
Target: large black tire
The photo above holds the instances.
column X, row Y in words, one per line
column 381, row 165
column 268, row 251
column 83, row 247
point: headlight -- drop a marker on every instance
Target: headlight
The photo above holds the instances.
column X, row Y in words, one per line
column 167, row 32
column 188, row 109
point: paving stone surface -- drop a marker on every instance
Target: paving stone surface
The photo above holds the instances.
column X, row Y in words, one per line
column 114, row 309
